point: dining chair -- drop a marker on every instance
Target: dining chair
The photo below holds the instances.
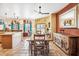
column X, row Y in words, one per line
column 39, row 44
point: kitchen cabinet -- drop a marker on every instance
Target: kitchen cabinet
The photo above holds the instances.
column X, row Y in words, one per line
column 67, row 43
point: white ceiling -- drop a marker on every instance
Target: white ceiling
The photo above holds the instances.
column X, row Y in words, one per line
column 26, row 10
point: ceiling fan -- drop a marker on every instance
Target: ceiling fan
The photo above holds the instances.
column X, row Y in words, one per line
column 40, row 11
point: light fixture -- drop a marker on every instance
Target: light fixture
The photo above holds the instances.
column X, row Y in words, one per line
column 5, row 13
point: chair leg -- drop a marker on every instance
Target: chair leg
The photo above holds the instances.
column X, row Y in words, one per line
column 35, row 52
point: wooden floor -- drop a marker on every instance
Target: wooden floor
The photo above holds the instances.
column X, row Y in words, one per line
column 23, row 50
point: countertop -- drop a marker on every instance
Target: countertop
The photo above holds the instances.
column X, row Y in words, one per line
column 8, row 33
column 69, row 35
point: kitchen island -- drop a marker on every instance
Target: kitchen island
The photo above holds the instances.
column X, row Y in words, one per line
column 10, row 40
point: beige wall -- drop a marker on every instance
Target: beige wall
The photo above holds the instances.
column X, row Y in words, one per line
column 53, row 22
column 43, row 20
column 50, row 18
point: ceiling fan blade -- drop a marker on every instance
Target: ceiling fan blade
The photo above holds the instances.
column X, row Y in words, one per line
column 35, row 11
column 44, row 13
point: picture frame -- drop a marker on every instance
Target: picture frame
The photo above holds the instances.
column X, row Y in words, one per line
column 68, row 19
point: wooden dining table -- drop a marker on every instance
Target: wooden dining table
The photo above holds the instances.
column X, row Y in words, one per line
column 31, row 42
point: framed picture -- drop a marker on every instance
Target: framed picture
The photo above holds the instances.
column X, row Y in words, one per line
column 68, row 19
column 78, row 14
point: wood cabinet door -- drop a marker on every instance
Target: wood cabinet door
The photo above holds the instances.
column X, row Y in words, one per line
column 78, row 47
column 0, row 39
column 73, row 46
column 7, row 41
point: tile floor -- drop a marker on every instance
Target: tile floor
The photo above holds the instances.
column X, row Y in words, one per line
column 23, row 50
